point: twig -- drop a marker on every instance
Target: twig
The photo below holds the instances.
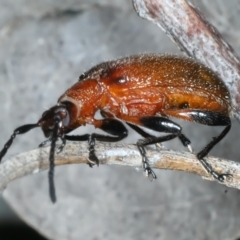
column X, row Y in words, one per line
column 196, row 37
column 75, row 153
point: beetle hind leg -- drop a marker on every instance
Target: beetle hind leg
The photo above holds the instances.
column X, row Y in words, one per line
column 210, row 118
column 214, row 174
column 205, row 151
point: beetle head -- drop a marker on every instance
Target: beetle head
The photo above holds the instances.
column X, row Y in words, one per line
column 58, row 114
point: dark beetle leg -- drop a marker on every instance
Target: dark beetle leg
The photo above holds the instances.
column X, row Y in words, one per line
column 109, row 125
column 212, row 119
column 148, row 141
column 44, row 143
column 159, row 124
column 92, row 159
column 60, row 148
column 49, row 140
column 185, row 141
column 205, row 151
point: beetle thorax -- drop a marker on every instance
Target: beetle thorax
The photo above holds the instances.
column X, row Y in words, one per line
column 86, row 96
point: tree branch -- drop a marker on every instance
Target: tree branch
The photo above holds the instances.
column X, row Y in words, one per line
column 197, row 38
column 74, row 153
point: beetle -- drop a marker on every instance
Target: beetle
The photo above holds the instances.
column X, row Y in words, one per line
column 143, row 91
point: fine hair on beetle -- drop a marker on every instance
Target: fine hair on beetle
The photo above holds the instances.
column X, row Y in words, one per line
column 144, row 91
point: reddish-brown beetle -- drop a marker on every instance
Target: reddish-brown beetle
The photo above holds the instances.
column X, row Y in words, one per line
column 142, row 91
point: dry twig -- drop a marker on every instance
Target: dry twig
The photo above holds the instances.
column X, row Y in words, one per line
column 197, row 38
column 120, row 154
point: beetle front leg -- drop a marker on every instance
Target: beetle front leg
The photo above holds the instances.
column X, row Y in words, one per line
column 108, row 125
column 92, row 158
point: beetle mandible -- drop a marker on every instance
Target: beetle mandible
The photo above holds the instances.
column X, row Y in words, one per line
column 143, row 91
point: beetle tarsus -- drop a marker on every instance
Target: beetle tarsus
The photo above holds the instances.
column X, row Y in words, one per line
column 217, row 176
column 145, row 163
column 93, row 160
column 44, row 143
column 109, row 125
column 147, row 169
column 222, row 177
column 150, row 173
column 60, row 148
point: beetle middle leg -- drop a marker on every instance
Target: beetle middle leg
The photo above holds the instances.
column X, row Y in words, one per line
column 185, row 141
column 159, row 124
column 108, row 125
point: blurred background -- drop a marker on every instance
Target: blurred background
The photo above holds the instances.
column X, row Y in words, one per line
column 44, row 47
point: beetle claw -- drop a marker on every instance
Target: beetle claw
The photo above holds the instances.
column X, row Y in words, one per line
column 90, row 164
column 222, row 177
column 148, row 170
column 150, row 173
column 92, row 159
column 60, row 148
column 44, row 143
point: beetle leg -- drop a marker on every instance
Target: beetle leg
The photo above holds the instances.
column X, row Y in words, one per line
column 49, row 140
column 108, row 125
column 205, row 151
column 92, row 159
column 185, row 141
column 212, row 119
column 148, row 141
column 158, row 124
column 44, row 143
column 209, row 118
column 145, row 163
column 60, row 148
column 215, row 140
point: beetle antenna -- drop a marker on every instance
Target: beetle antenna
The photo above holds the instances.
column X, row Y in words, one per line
column 52, row 191
column 17, row 131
